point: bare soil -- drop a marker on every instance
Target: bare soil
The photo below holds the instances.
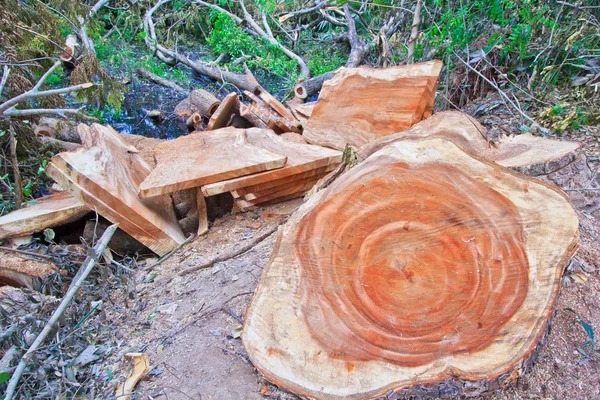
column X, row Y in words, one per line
column 189, row 325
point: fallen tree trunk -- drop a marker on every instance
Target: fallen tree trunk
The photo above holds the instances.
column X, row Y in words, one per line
column 420, row 267
column 312, row 86
column 144, row 73
column 203, row 102
column 240, row 81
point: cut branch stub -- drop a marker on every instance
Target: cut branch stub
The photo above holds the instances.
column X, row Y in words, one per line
column 420, row 265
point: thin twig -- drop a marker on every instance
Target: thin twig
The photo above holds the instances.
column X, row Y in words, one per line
column 15, row 165
column 234, row 253
column 169, row 254
column 87, row 267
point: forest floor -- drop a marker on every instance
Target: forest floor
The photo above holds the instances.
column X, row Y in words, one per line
column 189, row 325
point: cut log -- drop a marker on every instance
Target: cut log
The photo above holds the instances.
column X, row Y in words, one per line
column 300, row 158
column 460, row 128
column 23, row 271
column 46, row 212
column 206, row 157
column 530, row 152
column 312, row 86
column 220, row 117
column 526, row 153
column 106, row 177
column 183, row 108
column 203, row 102
column 194, row 121
column 375, row 103
column 421, row 266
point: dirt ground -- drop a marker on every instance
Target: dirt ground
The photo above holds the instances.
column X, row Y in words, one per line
column 189, row 325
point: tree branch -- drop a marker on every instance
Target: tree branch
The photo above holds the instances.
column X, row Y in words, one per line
column 414, row 33
column 150, row 38
column 63, row 112
column 5, row 73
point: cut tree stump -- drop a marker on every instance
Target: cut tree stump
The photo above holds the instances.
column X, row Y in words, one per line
column 106, row 178
column 220, row 117
column 518, row 152
column 23, row 271
column 419, row 269
column 359, row 105
column 206, row 157
column 300, row 158
column 46, row 212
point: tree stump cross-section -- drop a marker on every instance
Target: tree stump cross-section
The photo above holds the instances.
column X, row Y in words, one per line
column 418, row 266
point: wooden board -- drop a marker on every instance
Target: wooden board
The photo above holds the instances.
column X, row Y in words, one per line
column 297, row 185
column 242, row 206
column 300, row 158
column 202, row 213
column 23, row 271
column 281, row 181
column 420, row 268
column 106, row 178
column 220, row 117
column 362, row 104
column 466, row 132
column 206, row 157
column 46, row 212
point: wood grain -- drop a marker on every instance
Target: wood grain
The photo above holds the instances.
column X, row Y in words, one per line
column 297, row 185
column 23, row 271
column 466, row 132
column 46, row 212
column 300, row 158
column 421, row 264
column 106, row 177
column 360, row 105
column 206, row 157
column 221, row 115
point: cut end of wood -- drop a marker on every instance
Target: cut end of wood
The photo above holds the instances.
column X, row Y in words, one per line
column 378, row 300
column 300, row 92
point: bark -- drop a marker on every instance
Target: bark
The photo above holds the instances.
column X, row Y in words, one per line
column 203, row 102
column 312, row 86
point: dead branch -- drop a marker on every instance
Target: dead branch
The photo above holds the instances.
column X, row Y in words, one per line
column 238, row 80
column 234, row 253
column 317, row 6
column 414, row 32
column 357, row 47
column 150, row 38
column 144, row 73
column 15, row 165
column 5, row 73
column 501, row 92
column 8, row 109
column 87, row 267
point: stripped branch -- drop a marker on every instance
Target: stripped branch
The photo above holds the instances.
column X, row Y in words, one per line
column 150, row 38
column 357, row 47
column 7, row 109
column 414, row 32
column 5, row 73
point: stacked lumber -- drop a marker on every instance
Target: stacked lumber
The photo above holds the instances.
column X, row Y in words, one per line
column 105, row 175
column 423, row 271
column 359, row 105
column 305, row 165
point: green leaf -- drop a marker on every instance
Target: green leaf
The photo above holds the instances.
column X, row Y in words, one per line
column 49, row 235
column 588, row 328
column 4, row 377
column 27, row 189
